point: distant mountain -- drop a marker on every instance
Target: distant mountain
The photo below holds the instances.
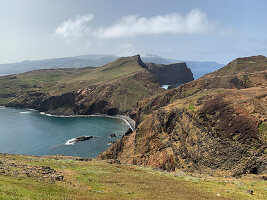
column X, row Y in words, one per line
column 66, row 62
column 95, row 60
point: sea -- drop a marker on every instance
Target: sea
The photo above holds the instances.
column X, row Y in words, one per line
column 29, row 132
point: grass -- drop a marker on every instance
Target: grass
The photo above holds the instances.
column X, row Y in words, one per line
column 51, row 80
column 191, row 107
column 252, row 64
column 100, row 180
column 263, row 130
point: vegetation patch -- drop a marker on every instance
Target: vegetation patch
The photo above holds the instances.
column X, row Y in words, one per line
column 263, row 130
column 100, row 180
column 191, row 107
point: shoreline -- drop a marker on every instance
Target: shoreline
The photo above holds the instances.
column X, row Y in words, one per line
column 130, row 122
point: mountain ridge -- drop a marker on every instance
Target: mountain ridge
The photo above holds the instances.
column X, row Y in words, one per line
column 94, row 60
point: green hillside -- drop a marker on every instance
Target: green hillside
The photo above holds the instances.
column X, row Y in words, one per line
column 121, row 84
column 29, row 177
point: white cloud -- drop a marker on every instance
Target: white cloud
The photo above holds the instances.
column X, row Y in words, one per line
column 74, row 28
column 195, row 22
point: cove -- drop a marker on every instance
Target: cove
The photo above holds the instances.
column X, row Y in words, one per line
column 28, row 132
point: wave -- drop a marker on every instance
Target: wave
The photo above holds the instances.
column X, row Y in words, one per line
column 2, row 107
column 25, row 112
column 67, row 116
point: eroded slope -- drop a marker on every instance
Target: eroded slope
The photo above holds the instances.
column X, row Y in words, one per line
column 213, row 124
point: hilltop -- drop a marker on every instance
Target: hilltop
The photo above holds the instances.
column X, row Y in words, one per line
column 94, row 60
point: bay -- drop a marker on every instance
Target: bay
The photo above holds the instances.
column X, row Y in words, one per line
column 28, row 132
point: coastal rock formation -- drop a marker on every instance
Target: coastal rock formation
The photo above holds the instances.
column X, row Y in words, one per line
column 211, row 125
column 79, row 139
column 112, row 135
column 171, row 73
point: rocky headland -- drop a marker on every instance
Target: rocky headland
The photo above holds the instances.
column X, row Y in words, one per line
column 171, row 73
column 112, row 89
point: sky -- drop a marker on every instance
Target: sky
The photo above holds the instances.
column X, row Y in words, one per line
column 202, row 30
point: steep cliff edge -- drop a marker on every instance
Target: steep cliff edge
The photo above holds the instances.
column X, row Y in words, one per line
column 171, row 73
column 216, row 124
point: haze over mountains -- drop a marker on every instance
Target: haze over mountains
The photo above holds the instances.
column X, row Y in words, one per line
column 198, row 68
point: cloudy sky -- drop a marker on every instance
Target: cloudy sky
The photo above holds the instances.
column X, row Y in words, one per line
column 214, row 30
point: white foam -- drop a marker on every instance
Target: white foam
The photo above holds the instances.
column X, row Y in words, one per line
column 165, row 86
column 124, row 120
column 25, row 112
column 70, row 141
column 114, row 117
column 2, row 107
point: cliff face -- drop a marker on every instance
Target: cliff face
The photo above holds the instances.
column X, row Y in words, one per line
column 216, row 124
column 171, row 73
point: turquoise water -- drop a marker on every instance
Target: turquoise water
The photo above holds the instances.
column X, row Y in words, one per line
column 28, row 132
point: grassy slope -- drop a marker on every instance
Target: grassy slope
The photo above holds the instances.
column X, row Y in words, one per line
column 58, row 81
column 121, row 83
column 100, row 180
column 242, row 65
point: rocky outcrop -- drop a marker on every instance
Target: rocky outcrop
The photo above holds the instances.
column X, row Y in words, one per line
column 43, row 173
column 171, row 73
column 79, row 139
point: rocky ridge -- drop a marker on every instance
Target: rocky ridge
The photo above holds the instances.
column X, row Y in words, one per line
column 216, row 124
